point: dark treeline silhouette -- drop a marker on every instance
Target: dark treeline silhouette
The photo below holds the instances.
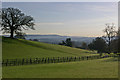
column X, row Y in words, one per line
column 102, row 46
column 108, row 43
column 110, row 35
column 118, row 35
column 98, row 44
column 67, row 42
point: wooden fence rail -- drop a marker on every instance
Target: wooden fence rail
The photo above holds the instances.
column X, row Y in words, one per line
column 26, row 61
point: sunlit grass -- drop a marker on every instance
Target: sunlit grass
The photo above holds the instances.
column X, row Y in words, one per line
column 30, row 49
column 82, row 69
column 13, row 48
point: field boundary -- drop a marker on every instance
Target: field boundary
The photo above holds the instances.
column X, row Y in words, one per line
column 28, row 61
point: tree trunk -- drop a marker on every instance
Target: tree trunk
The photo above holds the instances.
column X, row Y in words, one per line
column 109, row 46
column 118, row 46
column 11, row 33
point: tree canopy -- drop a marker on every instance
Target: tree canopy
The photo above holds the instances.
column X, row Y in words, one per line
column 14, row 21
column 67, row 42
column 110, row 35
column 98, row 44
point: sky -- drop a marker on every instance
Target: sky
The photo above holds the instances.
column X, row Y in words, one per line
column 69, row 18
column 60, row 0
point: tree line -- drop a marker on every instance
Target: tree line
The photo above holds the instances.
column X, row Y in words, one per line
column 109, row 43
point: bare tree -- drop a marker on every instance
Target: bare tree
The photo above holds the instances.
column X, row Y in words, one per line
column 118, row 34
column 13, row 21
column 110, row 34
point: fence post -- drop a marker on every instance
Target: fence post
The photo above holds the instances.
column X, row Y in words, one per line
column 67, row 59
column 58, row 59
column 75, row 59
column 87, row 57
column 45, row 60
column 7, row 62
column 53, row 60
column 79, row 58
column 22, row 61
column 42, row 60
column 30, row 61
column 48, row 60
column 71, row 58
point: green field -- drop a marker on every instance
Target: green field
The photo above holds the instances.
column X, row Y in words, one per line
column 105, row 68
column 13, row 49
column 98, row 68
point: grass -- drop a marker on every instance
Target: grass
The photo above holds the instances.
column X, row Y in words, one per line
column 19, row 48
column 82, row 69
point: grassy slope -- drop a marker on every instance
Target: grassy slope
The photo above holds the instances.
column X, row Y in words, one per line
column 28, row 49
column 101, row 68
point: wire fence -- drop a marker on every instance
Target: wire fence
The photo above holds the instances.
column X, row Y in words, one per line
column 27, row 61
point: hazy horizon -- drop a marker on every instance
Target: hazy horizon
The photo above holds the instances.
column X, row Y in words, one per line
column 69, row 18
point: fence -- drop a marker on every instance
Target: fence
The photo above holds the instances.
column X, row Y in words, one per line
column 26, row 61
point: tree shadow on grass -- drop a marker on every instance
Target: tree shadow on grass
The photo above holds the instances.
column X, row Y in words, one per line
column 9, row 40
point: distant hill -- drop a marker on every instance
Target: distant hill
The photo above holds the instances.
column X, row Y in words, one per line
column 55, row 39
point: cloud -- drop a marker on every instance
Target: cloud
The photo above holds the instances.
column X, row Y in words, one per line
column 102, row 9
column 47, row 24
column 60, row 0
column 112, row 7
column 100, row 20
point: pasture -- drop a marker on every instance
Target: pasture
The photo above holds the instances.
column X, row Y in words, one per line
column 100, row 68
column 19, row 49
